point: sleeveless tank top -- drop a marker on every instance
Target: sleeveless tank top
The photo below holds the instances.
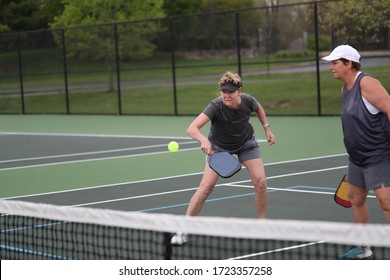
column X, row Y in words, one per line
column 366, row 135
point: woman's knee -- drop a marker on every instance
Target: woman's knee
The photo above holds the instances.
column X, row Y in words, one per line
column 260, row 184
column 384, row 202
column 206, row 188
column 356, row 195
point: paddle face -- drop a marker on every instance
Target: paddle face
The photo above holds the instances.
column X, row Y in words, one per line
column 224, row 164
column 340, row 195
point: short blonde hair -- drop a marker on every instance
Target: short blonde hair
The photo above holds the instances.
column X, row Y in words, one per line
column 230, row 78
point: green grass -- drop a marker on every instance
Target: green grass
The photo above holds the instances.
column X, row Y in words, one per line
column 152, row 86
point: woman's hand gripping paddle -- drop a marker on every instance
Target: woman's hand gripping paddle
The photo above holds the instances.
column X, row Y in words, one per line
column 224, row 164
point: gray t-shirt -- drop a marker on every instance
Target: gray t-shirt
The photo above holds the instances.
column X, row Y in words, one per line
column 230, row 129
column 366, row 135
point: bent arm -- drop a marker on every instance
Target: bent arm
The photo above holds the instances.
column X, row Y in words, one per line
column 194, row 131
column 263, row 120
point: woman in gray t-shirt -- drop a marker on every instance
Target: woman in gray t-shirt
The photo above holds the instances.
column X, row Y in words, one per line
column 230, row 131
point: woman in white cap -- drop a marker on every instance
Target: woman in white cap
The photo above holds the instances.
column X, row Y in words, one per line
column 365, row 117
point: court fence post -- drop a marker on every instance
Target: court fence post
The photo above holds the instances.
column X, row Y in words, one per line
column 118, row 70
column 317, row 60
column 65, row 71
column 173, row 64
column 20, row 65
column 238, row 42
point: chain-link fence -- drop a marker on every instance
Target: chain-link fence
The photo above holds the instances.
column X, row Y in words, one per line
column 171, row 66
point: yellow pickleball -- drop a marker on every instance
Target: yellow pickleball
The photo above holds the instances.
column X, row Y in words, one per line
column 173, row 146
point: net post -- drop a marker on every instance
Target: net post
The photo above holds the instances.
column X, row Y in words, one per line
column 168, row 246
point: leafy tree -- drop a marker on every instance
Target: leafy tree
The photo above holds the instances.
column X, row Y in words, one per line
column 97, row 42
column 223, row 5
column 181, row 7
column 4, row 28
column 22, row 15
column 356, row 20
column 220, row 33
column 182, row 26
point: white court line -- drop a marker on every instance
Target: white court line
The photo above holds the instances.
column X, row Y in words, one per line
column 192, row 189
column 283, row 189
column 93, row 135
column 178, row 176
column 312, row 158
column 92, row 153
column 132, row 197
column 92, row 159
column 296, row 173
column 288, row 189
column 106, row 186
column 278, row 250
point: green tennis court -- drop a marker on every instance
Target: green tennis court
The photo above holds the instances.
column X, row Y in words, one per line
column 123, row 163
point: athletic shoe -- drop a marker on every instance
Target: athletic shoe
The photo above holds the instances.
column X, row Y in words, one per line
column 179, row 239
column 356, row 253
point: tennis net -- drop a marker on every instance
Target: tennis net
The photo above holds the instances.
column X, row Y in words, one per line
column 41, row 231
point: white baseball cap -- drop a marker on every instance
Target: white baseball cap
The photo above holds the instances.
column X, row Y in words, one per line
column 343, row 51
